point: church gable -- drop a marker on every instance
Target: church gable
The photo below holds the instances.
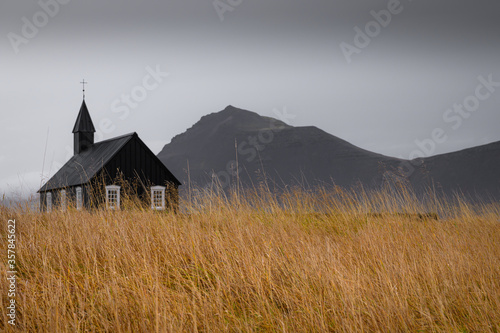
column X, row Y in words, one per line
column 136, row 160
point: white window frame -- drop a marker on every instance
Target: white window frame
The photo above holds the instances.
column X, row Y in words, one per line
column 62, row 194
column 49, row 201
column 109, row 190
column 156, row 190
column 79, row 198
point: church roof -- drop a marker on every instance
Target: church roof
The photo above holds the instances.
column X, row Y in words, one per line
column 83, row 121
column 82, row 167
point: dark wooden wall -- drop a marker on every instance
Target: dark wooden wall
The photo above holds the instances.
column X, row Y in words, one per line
column 134, row 160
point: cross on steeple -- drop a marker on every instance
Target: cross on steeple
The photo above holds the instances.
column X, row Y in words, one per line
column 83, row 83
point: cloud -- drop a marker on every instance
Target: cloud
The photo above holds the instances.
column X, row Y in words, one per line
column 265, row 54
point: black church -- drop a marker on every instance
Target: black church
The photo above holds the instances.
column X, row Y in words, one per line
column 98, row 173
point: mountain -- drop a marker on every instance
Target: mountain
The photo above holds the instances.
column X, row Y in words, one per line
column 474, row 172
column 283, row 155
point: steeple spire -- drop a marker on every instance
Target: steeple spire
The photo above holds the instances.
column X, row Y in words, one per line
column 83, row 130
column 83, row 121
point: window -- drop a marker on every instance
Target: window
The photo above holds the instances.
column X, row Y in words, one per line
column 79, row 198
column 63, row 200
column 113, row 197
column 158, row 197
column 49, row 202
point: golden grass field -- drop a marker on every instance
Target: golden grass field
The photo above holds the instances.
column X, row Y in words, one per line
column 331, row 261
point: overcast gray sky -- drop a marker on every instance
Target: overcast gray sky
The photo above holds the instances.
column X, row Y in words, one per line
column 258, row 55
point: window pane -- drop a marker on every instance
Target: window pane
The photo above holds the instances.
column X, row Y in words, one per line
column 63, row 200
column 79, row 198
column 49, row 202
column 157, row 198
column 113, row 197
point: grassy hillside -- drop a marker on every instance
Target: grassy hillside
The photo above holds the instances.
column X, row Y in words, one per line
column 303, row 262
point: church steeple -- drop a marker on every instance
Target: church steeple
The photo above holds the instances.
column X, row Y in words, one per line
column 83, row 130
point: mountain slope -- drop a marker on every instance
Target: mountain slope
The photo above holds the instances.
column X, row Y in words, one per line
column 474, row 171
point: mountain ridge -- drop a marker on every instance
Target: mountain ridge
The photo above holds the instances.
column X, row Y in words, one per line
column 307, row 155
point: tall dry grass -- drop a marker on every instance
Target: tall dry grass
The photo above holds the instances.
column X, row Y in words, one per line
column 298, row 262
